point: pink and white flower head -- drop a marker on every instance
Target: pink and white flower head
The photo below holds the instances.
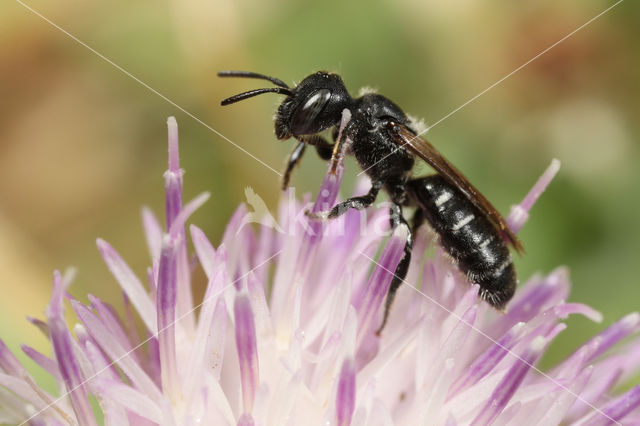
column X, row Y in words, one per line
column 285, row 334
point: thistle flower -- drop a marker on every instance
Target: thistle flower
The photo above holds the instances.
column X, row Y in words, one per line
column 285, row 334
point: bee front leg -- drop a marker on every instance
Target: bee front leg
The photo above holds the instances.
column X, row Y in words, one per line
column 294, row 159
column 323, row 148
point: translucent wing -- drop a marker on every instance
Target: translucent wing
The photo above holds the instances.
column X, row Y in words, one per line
column 404, row 137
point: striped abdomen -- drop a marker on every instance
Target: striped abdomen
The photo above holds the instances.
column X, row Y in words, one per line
column 468, row 236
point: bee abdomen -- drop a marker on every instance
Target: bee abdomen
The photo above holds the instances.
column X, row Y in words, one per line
column 469, row 238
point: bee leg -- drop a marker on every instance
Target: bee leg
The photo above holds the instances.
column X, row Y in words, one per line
column 323, row 148
column 294, row 159
column 417, row 220
column 400, row 273
column 358, row 203
column 324, row 152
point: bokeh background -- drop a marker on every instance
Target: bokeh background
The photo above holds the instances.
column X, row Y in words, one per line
column 83, row 146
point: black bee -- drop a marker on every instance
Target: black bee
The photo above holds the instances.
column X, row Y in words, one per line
column 385, row 144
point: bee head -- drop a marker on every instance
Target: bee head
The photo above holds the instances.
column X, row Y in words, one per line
column 312, row 106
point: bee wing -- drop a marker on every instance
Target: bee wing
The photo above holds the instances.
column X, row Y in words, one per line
column 406, row 138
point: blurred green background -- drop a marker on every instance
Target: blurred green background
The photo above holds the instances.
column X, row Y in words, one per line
column 83, row 146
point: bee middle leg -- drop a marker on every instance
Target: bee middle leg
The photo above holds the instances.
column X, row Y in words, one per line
column 358, row 203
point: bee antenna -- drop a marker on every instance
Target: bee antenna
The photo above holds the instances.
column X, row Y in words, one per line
column 249, row 74
column 251, row 93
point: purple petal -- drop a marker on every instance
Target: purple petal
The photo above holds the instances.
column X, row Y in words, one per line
column 82, row 338
column 614, row 334
column 101, row 364
column 173, row 176
column 113, row 324
column 510, row 383
column 617, row 409
column 209, row 339
column 177, row 226
column 114, row 413
column 184, row 296
column 343, row 248
column 247, row 350
column 47, row 364
column 166, row 311
column 130, row 284
column 566, row 309
column 485, row 363
column 557, row 329
column 152, row 279
column 520, row 213
column 41, row 325
column 536, row 297
column 8, row 362
column 451, row 421
column 233, row 242
column 65, row 356
column 563, row 398
column 152, row 232
column 331, row 183
column 602, row 380
column 18, row 391
column 599, row 344
column 337, row 315
column 246, row 420
column 367, row 351
column 130, row 398
column 231, row 231
column 174, row 154
column 109, row 344
column 458, row 335
column 176, row 216
column 359, row 261
column 325, row 200
column 378, row 285
column 301, row 255
column 346, row 393
column 153, row 365
column 259, row 303
column 266, row 248
column 214, row 350
column 205, row 251
column 129, row 322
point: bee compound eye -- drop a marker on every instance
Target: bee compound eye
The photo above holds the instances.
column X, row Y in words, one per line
column 303, row 120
